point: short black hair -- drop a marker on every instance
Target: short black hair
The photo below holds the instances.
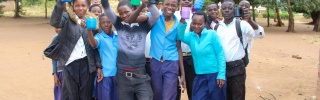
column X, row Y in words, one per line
column 88, row 2
column 212, row 3
column 206, row 19
column 95, row 5
column 124, row 3
column 228, row 1
column 102, row 15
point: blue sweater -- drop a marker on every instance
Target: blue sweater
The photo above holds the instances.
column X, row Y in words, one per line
column 207, row 51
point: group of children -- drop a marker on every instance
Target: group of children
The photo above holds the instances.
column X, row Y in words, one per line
column 107, row 64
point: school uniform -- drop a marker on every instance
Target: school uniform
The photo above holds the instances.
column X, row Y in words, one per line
column 131, row 75
column 164, row 64
column 234, row 52
column 209, row 63
column 76, row 54
column 108, row 50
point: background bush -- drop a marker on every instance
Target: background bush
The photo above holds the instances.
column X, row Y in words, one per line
column 255, row 13
column 283, row 15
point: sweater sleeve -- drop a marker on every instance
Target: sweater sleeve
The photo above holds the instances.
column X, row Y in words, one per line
column 154, row 14
column 218, row 50
column 108, row 11
column 182, row 35
column 57, row 19
column 54, row 66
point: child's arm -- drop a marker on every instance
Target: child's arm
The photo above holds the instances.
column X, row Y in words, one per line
column 57, row 19
column 154, row 14
column 93, row 42
column 181, row 67
column 135, row 15
column 108, row 11
column 182, row 35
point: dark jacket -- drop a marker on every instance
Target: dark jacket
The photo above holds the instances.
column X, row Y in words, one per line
column 69, row 35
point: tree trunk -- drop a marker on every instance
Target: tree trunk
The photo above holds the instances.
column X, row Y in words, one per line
column 291, row 20
column 268, row 17
column 317, row 24
column 46, row 8
column 253, row 12
column 279, row 23
column 17, row 9
column 314, row 16
column 275, row 16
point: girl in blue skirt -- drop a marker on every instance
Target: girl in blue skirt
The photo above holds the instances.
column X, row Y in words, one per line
column 208, row 56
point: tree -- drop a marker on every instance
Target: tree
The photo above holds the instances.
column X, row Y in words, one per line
column 46, row 9
column 310, row 6
column 269, row 4
column 253, row 4
column 279, row 22
column 291, row 20
column 17, row 9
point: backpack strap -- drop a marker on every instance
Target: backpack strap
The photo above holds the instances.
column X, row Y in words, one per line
column 239, row 32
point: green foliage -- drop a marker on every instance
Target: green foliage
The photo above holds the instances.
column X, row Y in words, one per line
column 283, row 15
column 306, row 15
column 271, row 14
column 22, row 11
column 306, row 6
column 255, row 13
column 1, row 7
column 207, row 2
column 1, row 12
column 31, row 2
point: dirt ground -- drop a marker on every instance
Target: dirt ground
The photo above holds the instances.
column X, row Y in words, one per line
column 26, row 73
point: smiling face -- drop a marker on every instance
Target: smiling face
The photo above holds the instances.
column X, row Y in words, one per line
column 227, row 10
column 80, row 7
column 105, row 24
column 124, row 11
column 212, row 11
column 186, row 3
column 169, row 7
column 198, row 23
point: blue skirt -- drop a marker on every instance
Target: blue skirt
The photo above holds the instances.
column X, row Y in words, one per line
column 205, row 87
column 107, row 89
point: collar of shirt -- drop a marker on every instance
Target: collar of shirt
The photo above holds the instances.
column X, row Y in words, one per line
column 226, row 25
column 105, row 35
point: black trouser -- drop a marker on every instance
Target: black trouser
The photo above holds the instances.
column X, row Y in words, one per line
column 236, row 77
column 77, row 81
column 189, row 74
column 149, row 73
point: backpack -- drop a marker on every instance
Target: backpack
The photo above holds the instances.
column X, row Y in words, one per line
column 245, row 59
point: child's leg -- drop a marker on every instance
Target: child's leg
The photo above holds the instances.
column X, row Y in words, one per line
column 58, row 90
column 170, row 80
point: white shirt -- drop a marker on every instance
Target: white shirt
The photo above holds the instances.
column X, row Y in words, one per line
column 184, row 47
column 79, row 50
column 148, row 45
column 230, row 41
column 259, row 33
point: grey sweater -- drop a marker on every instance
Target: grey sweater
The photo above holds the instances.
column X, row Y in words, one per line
column 131, row 37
